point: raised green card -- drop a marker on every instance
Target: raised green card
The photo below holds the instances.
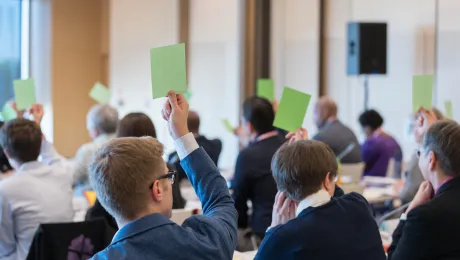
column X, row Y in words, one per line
column 8, row 113
column 100, row 93
column 24, row 93
column 266, row 89
column 227, row 125
column 448, row 109
column 291, row 110
column 422, row 92
column 168, row 70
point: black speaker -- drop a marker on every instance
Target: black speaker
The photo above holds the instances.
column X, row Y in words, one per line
column 367, row 48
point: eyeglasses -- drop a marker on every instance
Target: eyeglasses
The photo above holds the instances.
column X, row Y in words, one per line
column 171, row 175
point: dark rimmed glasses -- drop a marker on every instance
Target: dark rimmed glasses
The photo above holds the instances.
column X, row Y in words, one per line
column 171, row 176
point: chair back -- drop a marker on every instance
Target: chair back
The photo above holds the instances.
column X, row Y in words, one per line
column 71, row 241
column 351, row 172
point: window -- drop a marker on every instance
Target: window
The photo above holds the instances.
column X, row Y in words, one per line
column 14, row 45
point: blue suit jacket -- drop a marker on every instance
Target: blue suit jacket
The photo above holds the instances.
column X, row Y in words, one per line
column 208, row 236
column 341, row 229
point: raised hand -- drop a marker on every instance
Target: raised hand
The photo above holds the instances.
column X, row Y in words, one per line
column 175, row 111
column 424, row 194
column 19, row 113
column 37, row 112
column 426, row 119
column 298, row 135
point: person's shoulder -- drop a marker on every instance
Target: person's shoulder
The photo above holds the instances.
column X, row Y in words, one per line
column 428, row 212
column 10, row 184
column 354, row 198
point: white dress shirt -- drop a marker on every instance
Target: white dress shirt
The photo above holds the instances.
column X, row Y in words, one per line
column 185, row 145
column 38, row 192
column 315, row 200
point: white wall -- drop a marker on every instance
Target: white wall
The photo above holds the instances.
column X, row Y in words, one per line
column 410, row 51
column 135, row 27
column 214, row 75
column 294, row 49
column 448, row 55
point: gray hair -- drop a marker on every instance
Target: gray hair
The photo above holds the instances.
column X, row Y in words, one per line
column 443, row 139
column 102, row 118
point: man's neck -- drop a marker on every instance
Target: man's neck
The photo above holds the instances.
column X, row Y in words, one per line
column 121, row 223
column 439, row 180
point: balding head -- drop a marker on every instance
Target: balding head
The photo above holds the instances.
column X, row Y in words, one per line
column 325, row 109
column 193, row 122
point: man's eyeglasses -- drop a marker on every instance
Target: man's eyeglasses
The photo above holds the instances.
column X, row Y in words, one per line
column 171, row 175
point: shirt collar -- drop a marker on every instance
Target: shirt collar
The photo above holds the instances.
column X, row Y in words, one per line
column 141, row 225
column 440, row 185
column 317, row 199
column 265, row 136
column 103, row 137
column 30, row 165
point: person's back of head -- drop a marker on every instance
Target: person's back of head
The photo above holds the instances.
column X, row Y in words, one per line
column 101, row 119
column 370, row 121
column 325, row 109
column 439, row 151
column 303, row 168
column 128, row 175
column 21, row 140
column 193, row 122
column 258, row 116
column 136, row 125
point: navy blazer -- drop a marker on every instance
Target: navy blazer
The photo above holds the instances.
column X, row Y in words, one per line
column 340, row 229
column 432, row 230
column 208, row 236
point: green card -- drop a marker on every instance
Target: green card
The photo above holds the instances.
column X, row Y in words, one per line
column 266, row 89
column 422, row 92
column 168, row 70
column 24, row 93
column 448, row 109
column 227, row 125
column 100, row 93
column 291, row 110
column 8, row 113
column 188, row 95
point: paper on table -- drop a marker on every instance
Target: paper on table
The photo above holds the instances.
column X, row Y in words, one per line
column 291, row 110
column 168, row 70
column 227, row 125
column 448, row 108
column 100, row 93
column 266, row 89
column 8, row 113
column 24, row 93
column 422, row 92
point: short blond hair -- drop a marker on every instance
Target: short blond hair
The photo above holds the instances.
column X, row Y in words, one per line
column 121, row 172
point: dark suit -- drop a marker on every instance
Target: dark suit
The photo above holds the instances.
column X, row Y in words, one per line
column 211, row 147
column 340, row 229
column 432, row 230
column 253, row 181
column 208, row 236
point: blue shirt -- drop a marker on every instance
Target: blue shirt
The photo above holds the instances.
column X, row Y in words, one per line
column 208, row 236
column 38, row 192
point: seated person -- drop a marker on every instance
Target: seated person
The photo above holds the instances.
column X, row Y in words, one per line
column 133, row 125
column 413, row 175
column 335, row 134
column 429, row 228
column 38, row 192
column 309, row 224
column 379, row 147
column 211, row 147
column 101, row 123
column 253, row 178
column 5, row 166
column 133, row 184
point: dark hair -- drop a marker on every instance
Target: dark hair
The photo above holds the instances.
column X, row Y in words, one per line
column 136, row 125
column 21, row 139
column 371, row 118
column 193, row 122
column 300, row 168
column 443, row 139
column 259, row 112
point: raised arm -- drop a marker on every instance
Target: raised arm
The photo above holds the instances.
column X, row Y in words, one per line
column 204, row 175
